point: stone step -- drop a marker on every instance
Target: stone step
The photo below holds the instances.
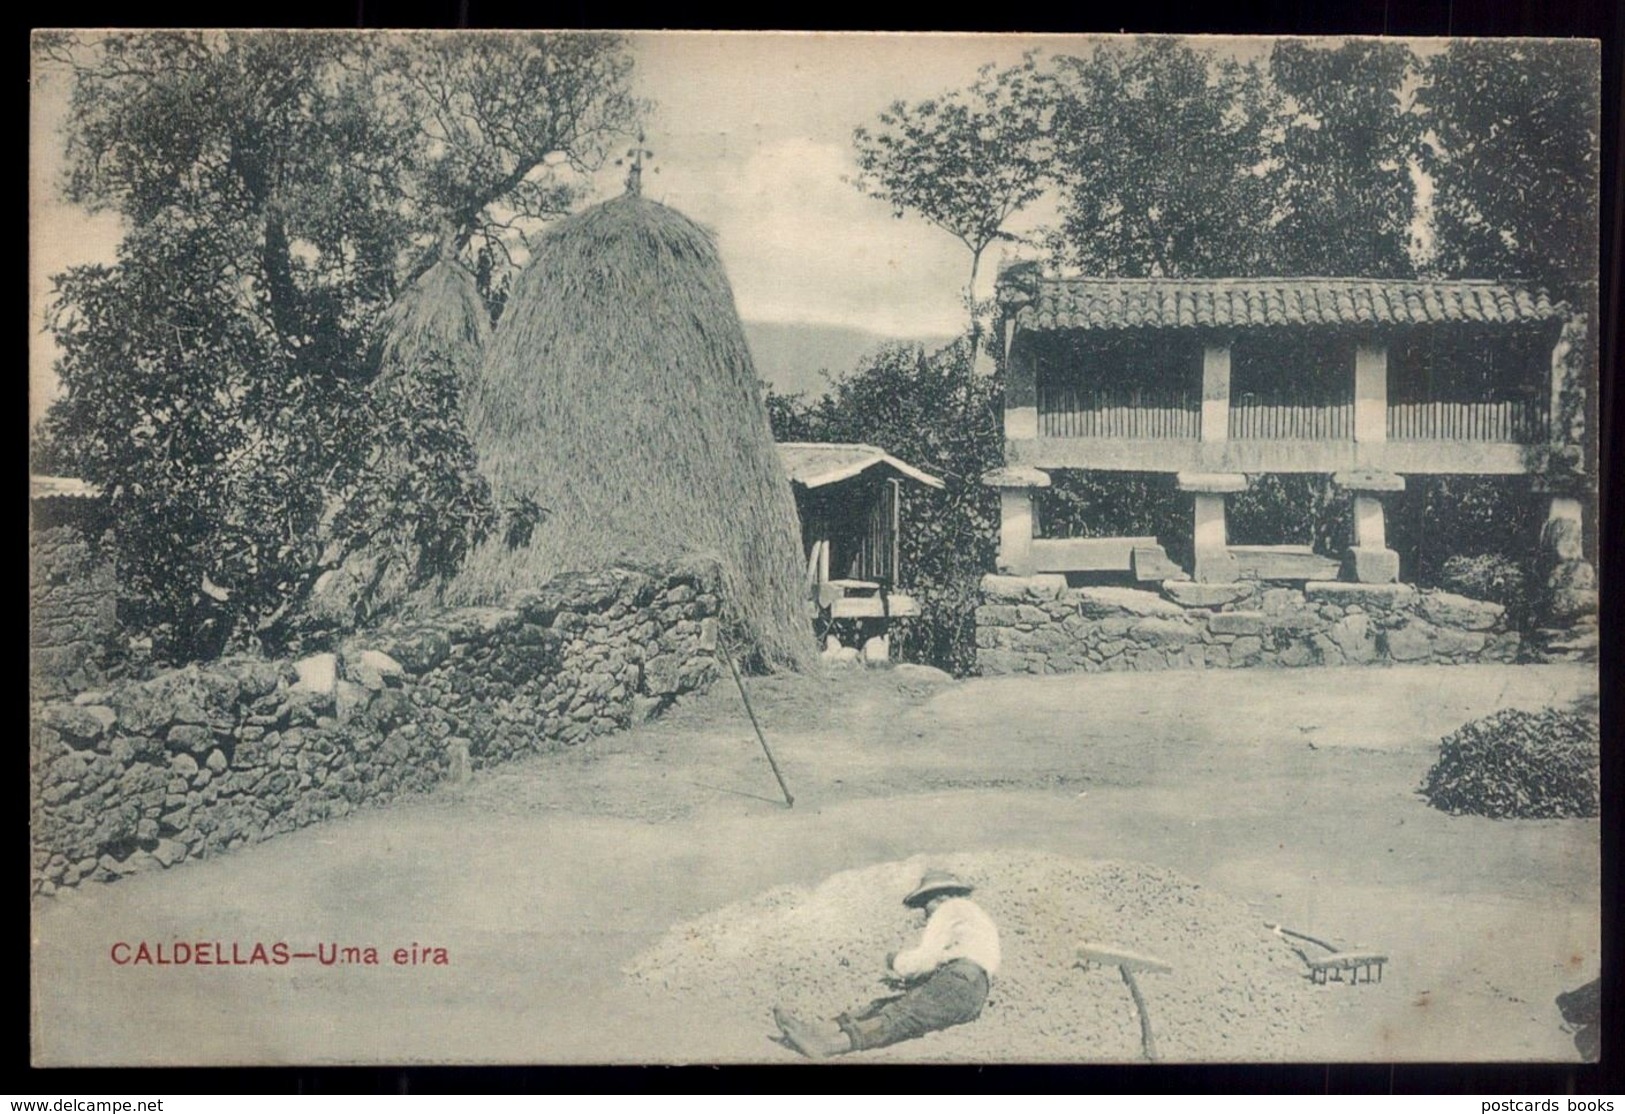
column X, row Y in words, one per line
column 1283, row 562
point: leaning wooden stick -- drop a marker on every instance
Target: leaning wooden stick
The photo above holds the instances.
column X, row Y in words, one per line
column 789, row 801
column 1127, row 963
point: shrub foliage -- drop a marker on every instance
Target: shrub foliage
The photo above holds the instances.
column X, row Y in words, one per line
column 1528, row 765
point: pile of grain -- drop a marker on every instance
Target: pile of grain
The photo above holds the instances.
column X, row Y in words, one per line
column 1237, row 991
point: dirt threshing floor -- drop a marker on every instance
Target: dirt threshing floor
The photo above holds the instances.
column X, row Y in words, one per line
column 648, row 897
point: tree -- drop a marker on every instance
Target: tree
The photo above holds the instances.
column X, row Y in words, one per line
column 1347, row 141
column 967, row 161
column 1163, row 161
column 1512, row 147
column 513, row 126
column 1512, row 130
column 279, row 191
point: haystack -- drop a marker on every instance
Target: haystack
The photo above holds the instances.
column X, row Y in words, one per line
column 431, row 341
column 618, row 394
column 442, row 312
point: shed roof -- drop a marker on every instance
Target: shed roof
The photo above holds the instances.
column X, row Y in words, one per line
column 1044, row 302
column 814, row 464
column 60, row 487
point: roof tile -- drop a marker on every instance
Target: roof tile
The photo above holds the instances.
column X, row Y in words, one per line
column 1097, row 303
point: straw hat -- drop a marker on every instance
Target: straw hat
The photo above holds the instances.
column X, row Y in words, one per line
column 934, row 883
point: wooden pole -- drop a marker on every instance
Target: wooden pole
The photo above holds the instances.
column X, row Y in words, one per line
column 789, row 801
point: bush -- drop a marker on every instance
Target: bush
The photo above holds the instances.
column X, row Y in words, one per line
column 1528, row 765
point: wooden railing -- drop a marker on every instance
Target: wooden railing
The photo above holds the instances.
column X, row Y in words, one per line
column 1270, row 421
column 1134, row 414
column 1517, row 421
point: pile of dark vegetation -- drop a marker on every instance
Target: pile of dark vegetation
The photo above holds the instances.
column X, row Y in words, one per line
column 1529, row 765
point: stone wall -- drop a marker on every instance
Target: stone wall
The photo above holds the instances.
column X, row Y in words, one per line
column 72, row 602
column 1038, row 625
column 212, row 757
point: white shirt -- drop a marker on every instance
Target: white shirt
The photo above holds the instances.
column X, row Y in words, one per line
column 957, row 930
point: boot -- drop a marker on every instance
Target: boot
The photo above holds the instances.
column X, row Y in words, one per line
column 814, row 1040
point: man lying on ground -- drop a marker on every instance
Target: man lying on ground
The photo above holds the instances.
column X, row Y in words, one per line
column 945, row 979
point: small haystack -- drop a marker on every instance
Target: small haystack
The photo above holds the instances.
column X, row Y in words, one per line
column 431, row 341
column 618, row 394
column 442, row 312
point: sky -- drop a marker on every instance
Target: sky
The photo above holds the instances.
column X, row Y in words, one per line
column 752, row 137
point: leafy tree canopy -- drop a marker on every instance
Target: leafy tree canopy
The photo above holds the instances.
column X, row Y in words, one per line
column 279, row 191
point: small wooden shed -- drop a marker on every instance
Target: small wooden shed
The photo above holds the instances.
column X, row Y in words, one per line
column 849, row 498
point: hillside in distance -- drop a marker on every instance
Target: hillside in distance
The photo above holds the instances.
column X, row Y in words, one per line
column 793, row 357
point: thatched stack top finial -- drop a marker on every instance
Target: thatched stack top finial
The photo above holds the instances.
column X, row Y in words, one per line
column 634, row 176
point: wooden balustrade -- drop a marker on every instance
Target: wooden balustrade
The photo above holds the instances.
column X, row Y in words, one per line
column 1517, row 421
column 1131, row 414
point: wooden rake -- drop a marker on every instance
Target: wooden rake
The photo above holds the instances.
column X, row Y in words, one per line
column 1127, row 963
column 1330, row 967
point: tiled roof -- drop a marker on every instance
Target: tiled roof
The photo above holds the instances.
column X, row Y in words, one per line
column 1045, row 303
column 814, row 464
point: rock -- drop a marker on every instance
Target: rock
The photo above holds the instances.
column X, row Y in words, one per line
column 1353, row 636
column 1296, row 655
column 1345, row 593
column 318, row 673
column 877, row 650
column 80, row 726
column 1095, row 602
column 184, row 765
column 999, row 663
column 1274, row 601
column 1188, row 593
column 190, row 737
column 989, row 614
column 1237, row 622
column 660, row 674
column 1245, row 647
column 844, row 657
column 1458, row 643
column 1572, row 574
column 1044, row 586
column 374, row 669
column 350, row 699
column 1447, row 609
column 1411, row 642
column 459, row 766
column 168, row 852
column 420, row 651
column 1567, row 604
column 1164, row 632
column 217, row 761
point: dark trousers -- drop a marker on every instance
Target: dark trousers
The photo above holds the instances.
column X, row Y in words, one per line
column 951, row 995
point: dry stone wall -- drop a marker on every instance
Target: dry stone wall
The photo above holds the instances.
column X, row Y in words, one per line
column 1037, row 624
column 212, row 757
